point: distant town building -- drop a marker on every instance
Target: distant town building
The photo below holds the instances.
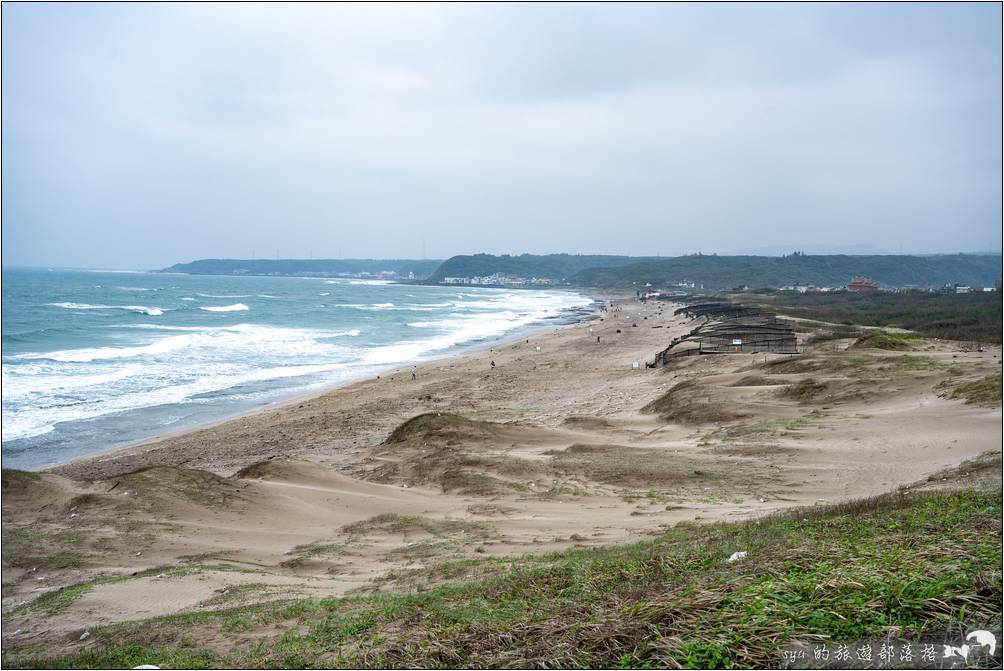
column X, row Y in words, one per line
column 862, row 285
column 501, row 280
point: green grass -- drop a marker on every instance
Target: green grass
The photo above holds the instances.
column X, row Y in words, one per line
column 58, row 600
column 886, row 340
column 306, row 553
column 985, row 392
column 21, row 549
column 897, row 564
column 392, row 523
column 767, row 427
column 12, row 477
column 438, row 424
column 974, row 317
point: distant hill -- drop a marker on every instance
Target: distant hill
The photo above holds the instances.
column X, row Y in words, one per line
column 303, row 267
column 554, row 266
column 725, row 272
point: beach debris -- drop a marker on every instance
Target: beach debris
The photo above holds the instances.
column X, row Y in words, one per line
column 344, row 467
column 405, row 486
column 736, row 556
column 85, row 635
column 161, row 575
column 139, row 553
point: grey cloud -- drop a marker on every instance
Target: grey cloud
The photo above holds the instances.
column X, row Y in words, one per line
column 140, row 135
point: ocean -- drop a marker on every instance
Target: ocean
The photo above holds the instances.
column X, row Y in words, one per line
column 93, row 360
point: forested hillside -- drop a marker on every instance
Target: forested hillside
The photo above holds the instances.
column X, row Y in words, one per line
column 554, row 266
column 725, row 272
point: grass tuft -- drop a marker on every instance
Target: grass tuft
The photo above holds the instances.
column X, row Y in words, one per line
column 885, row 340
column 985, row 392
column 894, row 565
column 438, row 424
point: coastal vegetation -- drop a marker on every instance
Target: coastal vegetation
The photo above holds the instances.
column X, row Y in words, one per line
column 985, row 392
column 906, row 564
column 558, row 267
column 974, row 316
column 713, row 272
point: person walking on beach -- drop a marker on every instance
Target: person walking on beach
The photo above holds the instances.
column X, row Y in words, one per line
column 493, row 363
column 413, row 374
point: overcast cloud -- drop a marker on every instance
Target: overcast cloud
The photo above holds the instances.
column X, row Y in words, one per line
column 135, row 136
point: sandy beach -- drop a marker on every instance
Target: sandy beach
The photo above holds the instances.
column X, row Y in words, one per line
column 561, row 443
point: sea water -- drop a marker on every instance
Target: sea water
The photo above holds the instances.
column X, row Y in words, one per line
column 94, row 360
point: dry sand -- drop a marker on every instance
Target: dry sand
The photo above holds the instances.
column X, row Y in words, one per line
column 555, row 451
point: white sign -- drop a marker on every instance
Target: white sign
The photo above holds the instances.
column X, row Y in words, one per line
column 737, row 341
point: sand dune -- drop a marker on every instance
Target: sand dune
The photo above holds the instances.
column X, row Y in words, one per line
column 358, row 489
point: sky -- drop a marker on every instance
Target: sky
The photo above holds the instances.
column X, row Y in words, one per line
column 140, row 135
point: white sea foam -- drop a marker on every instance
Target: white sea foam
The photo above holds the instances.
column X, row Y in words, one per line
column 367, row 306
column 142, row 309
column 167, row 327
column 358, row 282
column 30, row 422
column 243, row 339
column 45, row 389
column 236, row 307
column 47, row 377
column 224, row 295
column 85, row 355
column 156, row 363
